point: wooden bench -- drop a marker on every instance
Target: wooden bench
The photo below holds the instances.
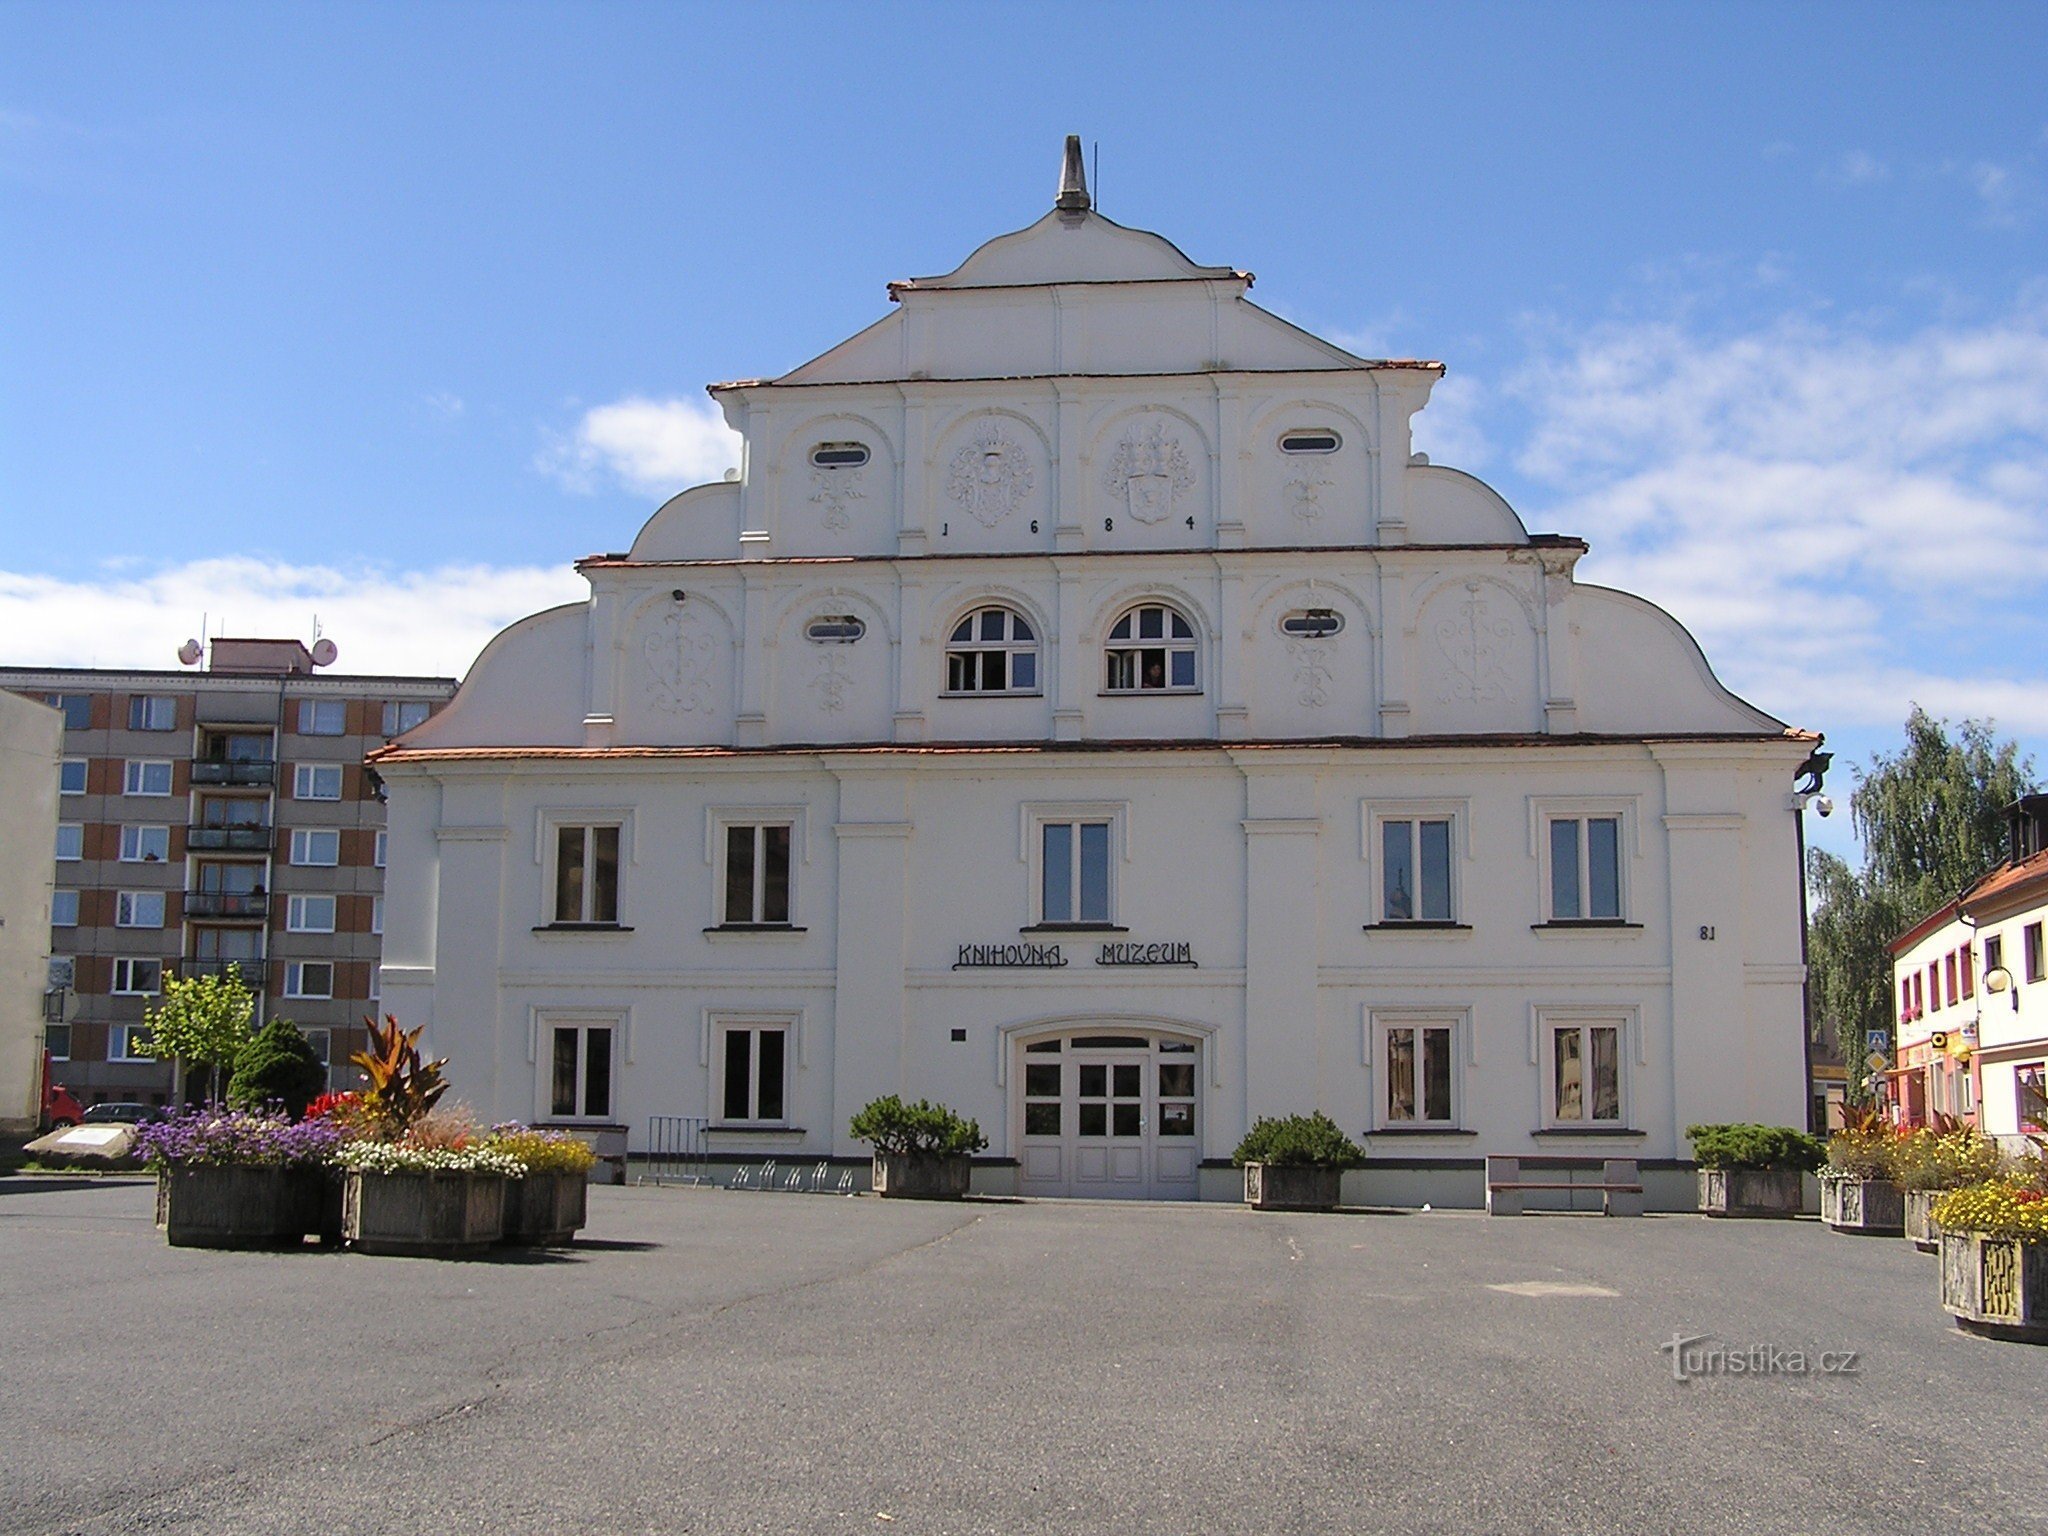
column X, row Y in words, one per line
column 1619, row 1184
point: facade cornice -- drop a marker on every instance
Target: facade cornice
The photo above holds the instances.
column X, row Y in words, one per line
column 909, row 385
column 102, row 678
column 1397, row 552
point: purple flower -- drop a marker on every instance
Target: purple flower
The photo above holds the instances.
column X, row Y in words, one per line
column 212, row 1134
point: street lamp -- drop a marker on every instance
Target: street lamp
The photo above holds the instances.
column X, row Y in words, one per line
column 1999, row 979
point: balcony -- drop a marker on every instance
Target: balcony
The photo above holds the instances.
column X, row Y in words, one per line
column 233, row 905
column 247, row 773
column 229, row 839
column 251, row 971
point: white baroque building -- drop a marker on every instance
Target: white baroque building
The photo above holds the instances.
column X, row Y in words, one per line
column 1082, row 708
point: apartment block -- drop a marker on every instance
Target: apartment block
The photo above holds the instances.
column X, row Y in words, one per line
column 215, row 819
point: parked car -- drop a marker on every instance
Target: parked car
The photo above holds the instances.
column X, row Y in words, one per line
column 118, row 1112
column 61, row 1109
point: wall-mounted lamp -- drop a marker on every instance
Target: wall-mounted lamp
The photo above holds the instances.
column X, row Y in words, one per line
column 1999, row 979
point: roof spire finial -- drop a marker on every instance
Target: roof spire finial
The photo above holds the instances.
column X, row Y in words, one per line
column 1073, row 196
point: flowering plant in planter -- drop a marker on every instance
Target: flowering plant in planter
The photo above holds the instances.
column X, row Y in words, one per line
column 403, row 1157
column 548, row 1205
column 542, row 1151
column 216, row 1136
column 1993, row 1241
column 233, row 1178
column 1857, row 1191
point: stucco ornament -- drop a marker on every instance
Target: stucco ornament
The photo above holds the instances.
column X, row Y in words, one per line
column 831, row 683
column 1305, row 492
column 1148, row 470
column 1472, row 641
column 990, row 476
column 1311, row 672
column 678, row 654
column 837, row 484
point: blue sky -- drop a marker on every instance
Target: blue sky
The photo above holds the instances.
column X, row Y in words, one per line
column 386, row 313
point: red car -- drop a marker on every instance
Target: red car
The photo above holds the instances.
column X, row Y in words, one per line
column 61, row 1111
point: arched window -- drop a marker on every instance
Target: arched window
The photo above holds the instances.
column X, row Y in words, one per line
column 1151, row 650
column 992, row 650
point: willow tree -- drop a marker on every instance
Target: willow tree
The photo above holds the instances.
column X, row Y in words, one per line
column 1931, row 818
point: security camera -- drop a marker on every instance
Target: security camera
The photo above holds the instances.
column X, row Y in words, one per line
column 1824, row 805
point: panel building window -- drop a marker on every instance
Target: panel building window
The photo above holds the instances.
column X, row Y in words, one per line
column 1585, row 869
column 146, row 776
column 70, row 841
column 151, row 712
column 1151, row 650
column 316, row 781
column 753, row 1063
column 1074, row 872
column 77, row 708
column 309, row 914
column 1585, row 1073
column 323, row 717
column 580, row 1071
column 587, row 874
column 128, row 1042
column 139, row 909
column 756, row 882
column 137, row 977
column 992, row 650
column 309, row 978
column 63, row 909
column 316, row 846
column 1417, row 1062
column 71, row 776
column 145, row 845
column 402, row 715
column 1415, row 870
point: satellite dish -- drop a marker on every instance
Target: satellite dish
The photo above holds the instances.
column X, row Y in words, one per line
column 190, row 652
column 324, row 653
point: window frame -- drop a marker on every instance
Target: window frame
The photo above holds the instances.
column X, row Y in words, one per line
column 1552, row 1022
column 1036, row 817
column 723, row 1029
column 395, row 711
column 295, row 980
column 321, row 1038
column 146, row 709
column 1380, row 1025
column 123, row 1036
column 1009, row 647
column 549, row 823
column 124, row 903
column 380, row 848
column 76, row 838
column 377, row 915
column 311, row 712
column 305, row 774
column 64, row 767
column 2033, row 953
column 69, row 704
column 618, row 1056
column 1544, row 812
column 55, row 893
column 130, row 777
column 142, row 856
column 49, row 1041
column 296, row 906
column 720, row 822
column 302, row 839
column 1374, row 816
column 121, row 977
column 1166, row 642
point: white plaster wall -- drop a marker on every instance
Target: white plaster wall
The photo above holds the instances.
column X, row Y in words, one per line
column 31, row 746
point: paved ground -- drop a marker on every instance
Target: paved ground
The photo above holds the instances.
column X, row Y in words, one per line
column 718, row 1362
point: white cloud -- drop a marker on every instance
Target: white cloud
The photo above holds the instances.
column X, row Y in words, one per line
column 655, row 447
column 1448, row 428
column 1858, row 168
column 1847, row 522
column 384, row 621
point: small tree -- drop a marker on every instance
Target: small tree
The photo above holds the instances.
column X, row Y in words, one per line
column 277, row 1067
column 203, row 1021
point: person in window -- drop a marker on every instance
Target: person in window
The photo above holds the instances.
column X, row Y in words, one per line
column 1155, row 674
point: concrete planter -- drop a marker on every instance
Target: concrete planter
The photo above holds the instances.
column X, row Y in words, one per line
column 1751, row 1192
column 1920, row 1223
column 1864, row 1207
column 544, row 1210
column 1996, row 1285
column 425, row 1215
column 239, row 1205
column 1291, row 1187
column 921, row 1176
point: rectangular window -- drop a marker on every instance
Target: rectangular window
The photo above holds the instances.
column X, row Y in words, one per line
column 2030, row 1095
column 2030, row 943
column 1969, row 960
column 1952, row 982
column 580, row 1079
column 403, row 716
column 323, row 717
column 1994, row 954
column 316, row 845
column 309, row 914
column 149, row 712
column 316, row 781
column 1585, row 869
column 586, row 874
column 1585, row 1076
column 757, row 875
column 1415, row 871
column 1418, row 1072
column 322, row 1042
column 128, row 1042
column 1934, row 984
column 754, row 1062
column 63, row 909
column 71, row 776
column 139, row 909
column 145, row 845
column 1074, row 871
column 146, row 776
column 70, row 841
column 77, row 709
column 377, row 914
column 376, row 983
column 380, row 845
column 57, row 1041
column 309, row 978
column 138, row 978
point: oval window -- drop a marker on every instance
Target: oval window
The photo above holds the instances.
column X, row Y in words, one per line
column 839, row 455
column 1312, row 623
column 1318, row 441
column 842, row 630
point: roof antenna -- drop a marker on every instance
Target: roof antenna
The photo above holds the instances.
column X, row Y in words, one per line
column 1095, row 170
column 1073, row 196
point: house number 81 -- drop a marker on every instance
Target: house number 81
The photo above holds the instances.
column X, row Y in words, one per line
column 1706, row 933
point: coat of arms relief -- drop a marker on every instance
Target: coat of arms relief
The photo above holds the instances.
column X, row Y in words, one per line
column 1473, row 642
column 1148, row 472
column 990, row 476
column 837, row 484
column 679, row 656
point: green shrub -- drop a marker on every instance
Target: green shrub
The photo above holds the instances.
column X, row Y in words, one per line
column 277, row 1066
column 1297, row 1141
column 1755, row 1146
column 923, row 1129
